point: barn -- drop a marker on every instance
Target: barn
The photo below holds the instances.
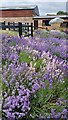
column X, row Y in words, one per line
column 43, row 21
column 18, row 13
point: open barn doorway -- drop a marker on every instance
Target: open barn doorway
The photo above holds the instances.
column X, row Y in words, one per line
column 35, row 24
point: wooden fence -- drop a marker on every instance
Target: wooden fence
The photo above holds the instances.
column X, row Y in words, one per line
column 25, row 28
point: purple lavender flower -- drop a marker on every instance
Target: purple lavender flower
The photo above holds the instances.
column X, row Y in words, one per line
column 64, row 111
column 52, row 111
column 35, row 87
column 21, row 82
column 6, row 82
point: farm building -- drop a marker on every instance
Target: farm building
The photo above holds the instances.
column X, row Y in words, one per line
column 21, row 13
column 43, row 21
column 29, row 14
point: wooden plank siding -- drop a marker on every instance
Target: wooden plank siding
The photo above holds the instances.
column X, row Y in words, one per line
column 17, row 13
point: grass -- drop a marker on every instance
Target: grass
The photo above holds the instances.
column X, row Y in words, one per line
column 12, row 33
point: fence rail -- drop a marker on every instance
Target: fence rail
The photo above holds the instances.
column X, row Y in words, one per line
column 26, row 28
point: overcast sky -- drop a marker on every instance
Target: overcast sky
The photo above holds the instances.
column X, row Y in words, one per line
column 45, row 6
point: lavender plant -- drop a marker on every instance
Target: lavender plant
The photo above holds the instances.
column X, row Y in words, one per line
column 34, row 79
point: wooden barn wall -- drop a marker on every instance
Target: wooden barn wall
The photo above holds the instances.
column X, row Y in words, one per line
column 16, row 13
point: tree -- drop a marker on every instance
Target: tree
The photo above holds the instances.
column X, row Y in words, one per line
column 62, row 13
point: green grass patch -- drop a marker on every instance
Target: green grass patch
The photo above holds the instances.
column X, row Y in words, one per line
column 12, row 33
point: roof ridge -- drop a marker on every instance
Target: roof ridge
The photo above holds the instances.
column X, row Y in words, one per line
column 18, row 6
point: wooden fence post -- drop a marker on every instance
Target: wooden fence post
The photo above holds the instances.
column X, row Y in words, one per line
column 8, row 25
column 31, row 29
column 3, row 23
column 20, row 28
column 14, row 26
column 28, row 27
column 25, row 27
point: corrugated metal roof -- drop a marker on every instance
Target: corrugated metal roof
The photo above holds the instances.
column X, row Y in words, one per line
column 43, row 17
column 18, row 7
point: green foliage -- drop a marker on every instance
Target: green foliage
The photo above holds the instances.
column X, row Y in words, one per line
column 45, row 99
column 64, row 88
column 25, row 57
column 57, row 54
column 38, row 63
column 12, row 43
column 4, row 62
column 62, row 13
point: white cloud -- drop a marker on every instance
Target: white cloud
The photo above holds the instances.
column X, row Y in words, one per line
column 22, row 2
column 5, row 1
column 56, row 0
column 45, row 6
